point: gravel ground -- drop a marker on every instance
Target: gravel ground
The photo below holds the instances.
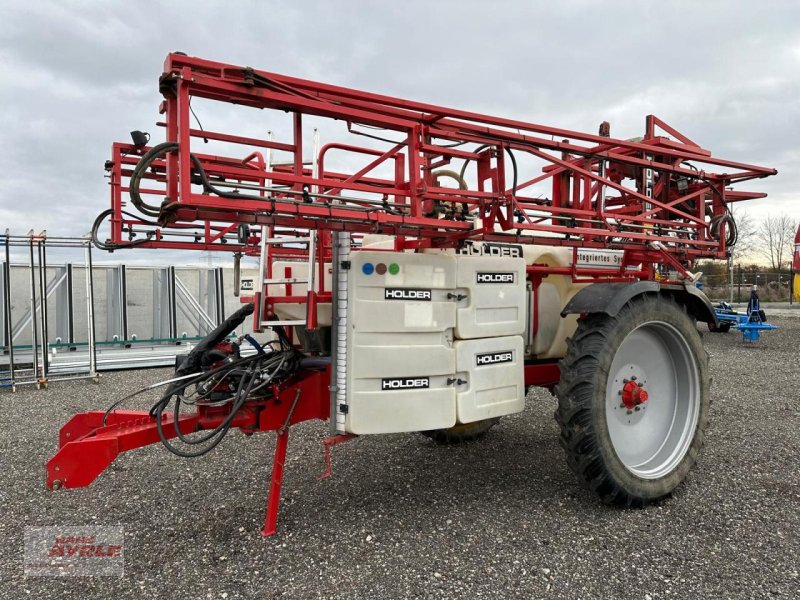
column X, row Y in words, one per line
column 403, row 517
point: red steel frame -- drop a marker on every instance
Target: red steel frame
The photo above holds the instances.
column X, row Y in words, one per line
column 578, row 211
column 653, row 198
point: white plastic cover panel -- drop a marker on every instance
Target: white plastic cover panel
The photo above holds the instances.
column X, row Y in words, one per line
column 493, row 369
column 400, row 363
column 495, row 303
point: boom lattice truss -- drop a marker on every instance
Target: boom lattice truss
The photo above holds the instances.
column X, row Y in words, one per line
column 432, row 177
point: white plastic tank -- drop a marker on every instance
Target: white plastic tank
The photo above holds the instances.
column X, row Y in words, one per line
column 551, row 330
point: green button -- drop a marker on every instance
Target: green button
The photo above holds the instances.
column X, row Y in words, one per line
column 394, row 268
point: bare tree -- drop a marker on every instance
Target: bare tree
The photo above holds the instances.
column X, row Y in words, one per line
column 775, row 237
column 746, row 238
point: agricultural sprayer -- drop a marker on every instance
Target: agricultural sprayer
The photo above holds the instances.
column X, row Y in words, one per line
column 418, row 271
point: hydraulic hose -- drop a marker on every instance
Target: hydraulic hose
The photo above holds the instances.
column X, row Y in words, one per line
column 154, row 154
column 513, row 166
column 138, row 172
column 458, row 178
column 731, row 231
column 109, row 246
column 462, row 185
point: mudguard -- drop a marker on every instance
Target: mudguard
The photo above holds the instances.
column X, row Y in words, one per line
column 609, row 298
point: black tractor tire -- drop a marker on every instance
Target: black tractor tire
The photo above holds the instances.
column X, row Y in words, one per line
column 589, row 408
column 465, row 432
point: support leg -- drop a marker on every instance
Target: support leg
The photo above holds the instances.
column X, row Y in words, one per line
column 271, row 520
column 327, row 443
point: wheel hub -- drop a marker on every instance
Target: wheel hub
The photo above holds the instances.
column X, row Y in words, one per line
column 633, row 394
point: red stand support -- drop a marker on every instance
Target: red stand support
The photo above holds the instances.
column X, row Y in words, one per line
column 271, row 520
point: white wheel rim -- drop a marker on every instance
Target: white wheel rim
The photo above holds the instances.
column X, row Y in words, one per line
column 653, row 438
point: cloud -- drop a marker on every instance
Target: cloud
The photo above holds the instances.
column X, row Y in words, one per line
column 78, row 75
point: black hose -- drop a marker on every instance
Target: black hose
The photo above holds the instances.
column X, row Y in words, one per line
column 731, row 231
column 510, row 155
column 138, row 171
column 514, row 166
column 180, row 386
column 157, row 152
column 246, row 369
column 245, row 384
column 110, row 246
column 279, row 364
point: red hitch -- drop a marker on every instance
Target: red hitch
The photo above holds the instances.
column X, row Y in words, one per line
column 87, row 447
column 91, row 441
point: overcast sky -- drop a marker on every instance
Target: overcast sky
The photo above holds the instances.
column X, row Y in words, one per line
column 76, row 76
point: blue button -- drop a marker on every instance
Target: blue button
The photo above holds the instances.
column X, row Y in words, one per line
column 368, row 268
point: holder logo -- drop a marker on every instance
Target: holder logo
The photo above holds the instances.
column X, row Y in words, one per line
column 492, row 249
column 406, row 294
column 495, row 277
column 405, row 383
column 493, row 358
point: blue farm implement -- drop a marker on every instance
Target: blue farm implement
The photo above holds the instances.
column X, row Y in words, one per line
column 751, row 322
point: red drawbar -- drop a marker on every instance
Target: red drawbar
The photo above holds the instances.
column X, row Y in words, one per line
column 87, row 446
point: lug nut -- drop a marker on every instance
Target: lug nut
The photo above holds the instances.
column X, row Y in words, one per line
column 633, row 377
